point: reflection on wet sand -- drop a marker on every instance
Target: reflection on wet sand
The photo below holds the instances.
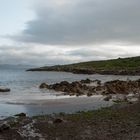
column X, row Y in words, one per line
column 68, row 105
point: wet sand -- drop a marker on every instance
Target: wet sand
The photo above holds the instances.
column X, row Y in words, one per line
column 48, row 106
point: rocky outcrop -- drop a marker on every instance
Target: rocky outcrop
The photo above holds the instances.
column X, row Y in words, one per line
column 4, row 127
column 57, row 121
column 21, row 115
column 75, row 88
column 43, row 85
column 4, row 90
column 95, row 87
column 122, row 87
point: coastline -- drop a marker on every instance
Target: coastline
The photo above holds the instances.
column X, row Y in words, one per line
column 95, row 119
column 49, row 106
column 118, row 122
column 92, row 94
column 120, row 66
column 88, row 71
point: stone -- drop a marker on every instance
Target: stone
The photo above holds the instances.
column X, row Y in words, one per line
column 43, row 85
column 87, row 81
column 64, row 83
column 107, row 98
column 21, row 115
column 89, row 87
column 89, row 94
column 4, row 90
column 4, row 127
column 57, row 121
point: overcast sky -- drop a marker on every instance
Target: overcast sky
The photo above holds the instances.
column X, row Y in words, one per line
column 51, row 32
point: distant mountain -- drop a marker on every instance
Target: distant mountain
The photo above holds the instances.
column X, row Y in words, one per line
column 120, row 66
column 10, row 66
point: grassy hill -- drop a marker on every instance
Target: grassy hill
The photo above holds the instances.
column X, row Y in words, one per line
column 120, row 66
column 120, row 63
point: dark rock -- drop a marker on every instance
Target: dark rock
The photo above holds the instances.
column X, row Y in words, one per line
column 71, row 94
column 57, row 121
column 122, row 87
column 107, row 98
column 4, row 127
column 64, row 83
column 87, row 81
column 76, row 83
column 89, row 94
column 85, row 87
column 4, row 90
column 98, row 82
column 59, row 87
column 21, row 115
column 43, row 85
column 79, row 92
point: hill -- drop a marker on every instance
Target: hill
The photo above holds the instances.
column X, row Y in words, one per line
column 120, row 66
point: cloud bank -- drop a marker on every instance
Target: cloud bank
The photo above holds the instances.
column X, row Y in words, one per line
column 45, row 55
column 83, row 22
column 69, row 31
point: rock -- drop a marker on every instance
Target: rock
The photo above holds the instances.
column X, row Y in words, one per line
column 71, row 94
column 88, row 87
column 76, row 84
column 79, row 92
column 43, row 85
column 4, row 127
column 57, row 121
column 118, row 87
column 59, row 87
column 120, row 98
column 87, row 81
column 98, row 82
column 89, row 94
column 4, row 90
column 64, row 83
column 107, row 98
column 21, row 115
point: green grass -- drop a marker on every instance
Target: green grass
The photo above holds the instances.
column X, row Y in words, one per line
column 102, row 113
column 120, row 63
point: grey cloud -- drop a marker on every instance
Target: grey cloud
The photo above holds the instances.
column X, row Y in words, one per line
column 82, row 22
column 104, row 52
column 32, row 55
column 45, row 55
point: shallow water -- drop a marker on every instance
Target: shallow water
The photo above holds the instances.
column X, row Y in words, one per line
column 24, row 88
column 67, row 105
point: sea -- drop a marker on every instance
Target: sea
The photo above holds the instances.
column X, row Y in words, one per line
column 25, row 95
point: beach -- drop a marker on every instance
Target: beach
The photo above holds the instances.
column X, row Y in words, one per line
column 25, row 95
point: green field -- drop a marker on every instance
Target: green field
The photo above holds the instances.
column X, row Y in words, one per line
column 120, row 63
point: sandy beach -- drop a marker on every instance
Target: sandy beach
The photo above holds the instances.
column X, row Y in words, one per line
column 48, row 106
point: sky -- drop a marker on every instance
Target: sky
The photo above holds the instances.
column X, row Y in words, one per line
column 50, row 32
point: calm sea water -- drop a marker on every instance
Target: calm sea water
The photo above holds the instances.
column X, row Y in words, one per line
column 24, row 87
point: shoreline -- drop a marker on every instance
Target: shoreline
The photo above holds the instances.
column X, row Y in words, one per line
column 92, row 94
column 67, row 105
column 118, row 122
column 62, row 100
column 120, row 66
column 88, row 71
column 77, row 118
